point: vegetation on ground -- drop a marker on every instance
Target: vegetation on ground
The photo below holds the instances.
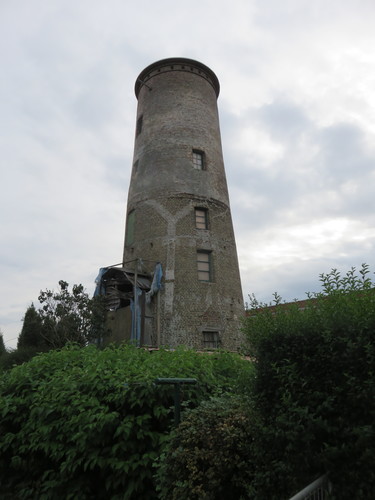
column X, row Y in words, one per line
column 315, row 388
column 210, row 455
column 80, row 422
column 89, row 423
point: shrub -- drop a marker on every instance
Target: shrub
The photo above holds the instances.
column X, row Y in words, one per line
column 87, row 423
column 210, row 455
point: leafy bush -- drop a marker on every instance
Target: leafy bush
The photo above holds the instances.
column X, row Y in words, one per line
column 315, row 389
column 17, row 356
column 210, row 455
column 87, row 423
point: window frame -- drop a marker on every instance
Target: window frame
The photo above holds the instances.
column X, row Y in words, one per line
column 204, row 265
column 199, row 159
column 139, row 125
column 201, row 218
column 213, row 341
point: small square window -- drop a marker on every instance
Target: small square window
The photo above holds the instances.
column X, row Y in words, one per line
column 204, row 265
column 198, row 159
column 201, row 218
column 211, row 339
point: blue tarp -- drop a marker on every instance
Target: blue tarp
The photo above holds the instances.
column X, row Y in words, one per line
column 156, row 282
column 99, row 290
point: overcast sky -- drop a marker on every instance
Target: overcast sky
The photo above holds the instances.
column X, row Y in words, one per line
column 297, row 110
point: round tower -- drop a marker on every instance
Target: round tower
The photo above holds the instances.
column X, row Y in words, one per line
column 178, row 209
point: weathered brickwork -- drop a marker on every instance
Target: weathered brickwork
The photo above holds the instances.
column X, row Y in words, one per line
column 177, row 111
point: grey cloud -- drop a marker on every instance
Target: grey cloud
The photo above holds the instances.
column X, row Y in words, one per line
column 96, row 102
column 283, row 119
column 294, row 280
column 69, row 112
column 343, row 152
column 268, row 199
column 346, row 167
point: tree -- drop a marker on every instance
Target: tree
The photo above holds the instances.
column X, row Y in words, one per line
column 65, row 316
column 31, row 334
column 30, row 341
column 2, row 345
column 71, row 316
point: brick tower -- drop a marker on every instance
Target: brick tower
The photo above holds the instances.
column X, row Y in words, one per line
column 178, row 209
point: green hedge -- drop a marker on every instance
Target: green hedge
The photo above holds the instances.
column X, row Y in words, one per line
column 315, row 390
column 85, row 423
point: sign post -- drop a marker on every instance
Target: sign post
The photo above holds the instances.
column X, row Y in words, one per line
column 177, row 382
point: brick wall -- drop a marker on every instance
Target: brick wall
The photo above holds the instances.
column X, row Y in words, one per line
column 179, row 114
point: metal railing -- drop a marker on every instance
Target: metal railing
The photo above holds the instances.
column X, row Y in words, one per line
column 317, row 490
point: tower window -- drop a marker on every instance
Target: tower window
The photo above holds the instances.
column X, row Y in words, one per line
column 201, row 218
column 211, row 339
column 139, row 125
column 198, row 159
column 130, row 223
column 204, row 265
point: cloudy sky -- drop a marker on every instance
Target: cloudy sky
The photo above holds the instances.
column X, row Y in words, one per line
column 297, row 110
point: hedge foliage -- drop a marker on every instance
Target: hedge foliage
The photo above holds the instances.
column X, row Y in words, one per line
column 86, row 423
column 210, row 455
column 309, row 410
column 315, row 389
